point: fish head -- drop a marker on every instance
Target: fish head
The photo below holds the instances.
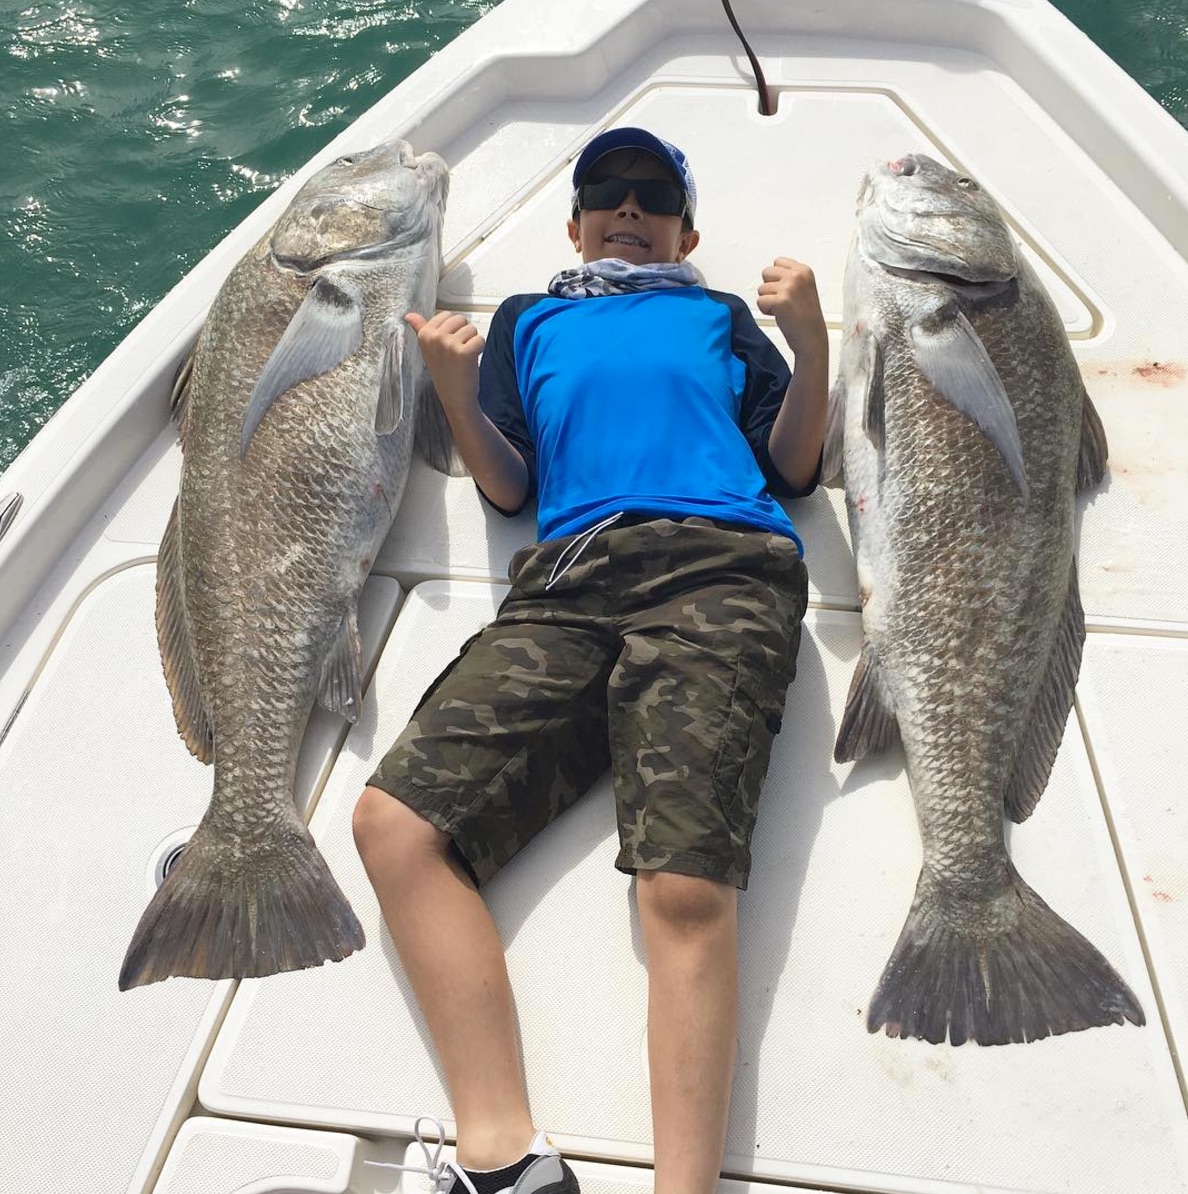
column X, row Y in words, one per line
column 364, row 205
column 917, row 215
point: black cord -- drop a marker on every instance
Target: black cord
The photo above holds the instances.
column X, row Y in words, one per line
column 760, row 82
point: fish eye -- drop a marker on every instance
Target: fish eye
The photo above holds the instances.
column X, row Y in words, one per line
column 346, row 160
column 967, row 184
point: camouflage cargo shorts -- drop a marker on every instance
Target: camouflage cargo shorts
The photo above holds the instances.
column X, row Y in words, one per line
column 664, row 649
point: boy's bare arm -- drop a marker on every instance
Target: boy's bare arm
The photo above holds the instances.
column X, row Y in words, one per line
column 452, row 346
column 789, row 292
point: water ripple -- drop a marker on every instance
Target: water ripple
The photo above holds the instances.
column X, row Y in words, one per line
column 135, row 134
column 1148, row 39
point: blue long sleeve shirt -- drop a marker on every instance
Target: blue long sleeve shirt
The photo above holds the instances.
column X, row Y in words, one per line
column 659, row 402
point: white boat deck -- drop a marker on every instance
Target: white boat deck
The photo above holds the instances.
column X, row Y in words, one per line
column 96, row 787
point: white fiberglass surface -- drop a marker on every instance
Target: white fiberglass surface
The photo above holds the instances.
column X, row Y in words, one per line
column 97, row 788
column 214, row 1156
column 1132, row 697
column 218, row 1156
column 835, row 866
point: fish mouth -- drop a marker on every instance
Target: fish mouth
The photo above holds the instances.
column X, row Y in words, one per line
column 975, row 287
column 902, row 167
column 418, row 162
column 362, row 253
column 433, row 168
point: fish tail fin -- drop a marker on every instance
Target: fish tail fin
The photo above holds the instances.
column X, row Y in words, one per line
column 1019, row 972
column 220, row 914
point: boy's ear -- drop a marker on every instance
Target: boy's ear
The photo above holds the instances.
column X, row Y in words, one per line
column 689, row 242
column 575, row 234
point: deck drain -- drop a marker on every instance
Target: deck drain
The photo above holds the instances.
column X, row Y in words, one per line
column 167, row 855
column 169, row 862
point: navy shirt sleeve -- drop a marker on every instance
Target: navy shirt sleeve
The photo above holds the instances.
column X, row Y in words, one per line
column 767, row 382
column 499, row 389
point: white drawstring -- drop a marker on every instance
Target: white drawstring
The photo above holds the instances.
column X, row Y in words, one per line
column 434, row 1167
column 581, row 543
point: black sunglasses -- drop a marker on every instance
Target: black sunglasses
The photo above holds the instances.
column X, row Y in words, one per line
column 654, row 195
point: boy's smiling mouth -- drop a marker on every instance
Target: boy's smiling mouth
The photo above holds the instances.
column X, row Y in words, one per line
column 627, row 238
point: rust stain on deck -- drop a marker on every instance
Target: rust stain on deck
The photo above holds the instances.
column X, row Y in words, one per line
column 1167, row 375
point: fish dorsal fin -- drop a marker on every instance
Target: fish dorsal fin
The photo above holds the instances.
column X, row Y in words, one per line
column 180, row 393
column 177, row 651
column 869, row 725
column 397, row 378
column 340, row 688
column 954, row 359
column 1091, row 460
column 1045, row 726
column 324, row 331
column 435, row 440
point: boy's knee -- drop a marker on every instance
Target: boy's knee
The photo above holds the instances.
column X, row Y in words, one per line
column 369, row 818
column 384, row 825
column 684, row 903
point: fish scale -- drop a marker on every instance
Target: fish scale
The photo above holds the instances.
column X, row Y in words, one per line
column 965, row 430
column 297, row 435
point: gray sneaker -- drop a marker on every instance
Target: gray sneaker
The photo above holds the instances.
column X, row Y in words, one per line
column 540, row 1171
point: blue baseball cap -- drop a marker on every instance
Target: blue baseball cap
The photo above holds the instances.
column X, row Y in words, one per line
column 631, row 138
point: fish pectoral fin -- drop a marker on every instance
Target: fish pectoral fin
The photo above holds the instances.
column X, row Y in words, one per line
column 870, row 376
column 1091, row 460
column 180, row 393
column 953, row 358
column 402, row 362
column 324, row 331
column 1049, row 713
column 340, row 688
column 434, row 439
column 859, row 379
column 833, row 454
column 404, row 379
column 177, row 651
column 868, row 725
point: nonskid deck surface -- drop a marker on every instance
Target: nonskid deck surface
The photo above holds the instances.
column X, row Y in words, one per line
column 96, row 784
column 835, row 865
column 215, row 1156
column 98, row 790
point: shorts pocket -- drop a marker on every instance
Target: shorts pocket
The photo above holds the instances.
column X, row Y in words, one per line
column 755, row 716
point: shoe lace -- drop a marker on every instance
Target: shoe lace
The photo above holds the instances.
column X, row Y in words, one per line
column 434, row 1168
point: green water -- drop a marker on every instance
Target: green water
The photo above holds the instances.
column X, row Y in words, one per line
column 133, row 135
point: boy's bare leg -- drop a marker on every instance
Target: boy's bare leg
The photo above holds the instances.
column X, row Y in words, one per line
column 450, row 949
column 690, row 931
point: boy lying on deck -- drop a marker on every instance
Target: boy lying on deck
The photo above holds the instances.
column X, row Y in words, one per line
column 655, row 627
